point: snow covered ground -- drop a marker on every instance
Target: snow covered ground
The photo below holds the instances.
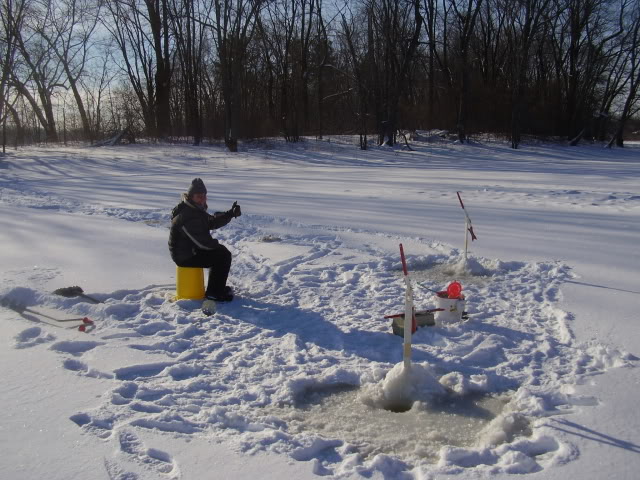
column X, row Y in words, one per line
column 300, row 375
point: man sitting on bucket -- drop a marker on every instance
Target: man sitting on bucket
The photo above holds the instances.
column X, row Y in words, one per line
column 191, row 243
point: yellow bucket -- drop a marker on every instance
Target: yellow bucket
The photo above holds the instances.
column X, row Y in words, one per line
column 189, row 283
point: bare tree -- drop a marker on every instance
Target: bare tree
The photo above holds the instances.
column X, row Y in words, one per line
column 286, row 29
column 324, row 52
column 96, row 84
column 158, row 14
column 583, row 37
column 12, row 15
column 464, row 18
column 127, row 29
column 525, row 19
column 614, row 80
column 308, row 12
column 631, row 106
column 393, row 37
column 68, row 31
column 233, row 26
column 431, row 30
column 140, row 28
column 278, row 32
column 360, row 60
column 37, row 67
column 187, row 24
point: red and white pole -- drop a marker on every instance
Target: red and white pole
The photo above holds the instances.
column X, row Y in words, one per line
column 468, row 228
column 409, row 313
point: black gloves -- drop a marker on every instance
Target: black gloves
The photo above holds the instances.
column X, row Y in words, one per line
column 235, row 210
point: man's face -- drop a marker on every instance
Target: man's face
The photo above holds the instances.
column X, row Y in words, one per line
column 199, row 199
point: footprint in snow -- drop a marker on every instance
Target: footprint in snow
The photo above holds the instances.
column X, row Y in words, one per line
column 83, row 369
column 156, row 328
column 100, row 426
column 75, row 348
column 31, row 337
column 124, row 394
column 116, row 472
column 135, row 372
column 151, row 459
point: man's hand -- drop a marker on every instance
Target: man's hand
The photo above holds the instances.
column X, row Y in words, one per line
column 235, row 210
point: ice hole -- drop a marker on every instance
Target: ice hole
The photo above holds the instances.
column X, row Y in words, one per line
column 399, row 407
column 410, row 431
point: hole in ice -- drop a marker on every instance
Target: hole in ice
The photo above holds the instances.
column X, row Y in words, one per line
column 399, row 407
column 408, row 431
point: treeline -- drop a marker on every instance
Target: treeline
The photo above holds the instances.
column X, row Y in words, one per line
column 234, row 69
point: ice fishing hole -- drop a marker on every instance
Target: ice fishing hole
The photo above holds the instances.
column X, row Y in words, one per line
column 409, row 431
column 400, row 407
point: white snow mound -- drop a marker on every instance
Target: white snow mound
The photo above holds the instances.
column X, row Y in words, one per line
column 402, row 387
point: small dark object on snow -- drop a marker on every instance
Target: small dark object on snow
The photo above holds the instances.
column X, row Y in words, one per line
column 74, row 291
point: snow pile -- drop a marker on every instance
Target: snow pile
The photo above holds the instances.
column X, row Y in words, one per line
column 401, row 388
column 458, row 383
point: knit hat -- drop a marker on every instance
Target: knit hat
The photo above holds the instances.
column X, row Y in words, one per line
column 197, row 186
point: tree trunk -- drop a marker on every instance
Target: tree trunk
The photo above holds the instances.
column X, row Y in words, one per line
column 158, row 20
column 230, row 139
column 515, row 124
column 20, row 134
column 231, row 95
column 86, row 126
column 45, row 118
column 463, row 103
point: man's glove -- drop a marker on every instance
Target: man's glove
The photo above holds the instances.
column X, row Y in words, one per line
column 235, row 210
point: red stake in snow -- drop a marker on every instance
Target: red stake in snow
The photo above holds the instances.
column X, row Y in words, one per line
column 467, row 227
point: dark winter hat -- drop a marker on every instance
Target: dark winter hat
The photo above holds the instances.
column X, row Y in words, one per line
column 197, row 186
